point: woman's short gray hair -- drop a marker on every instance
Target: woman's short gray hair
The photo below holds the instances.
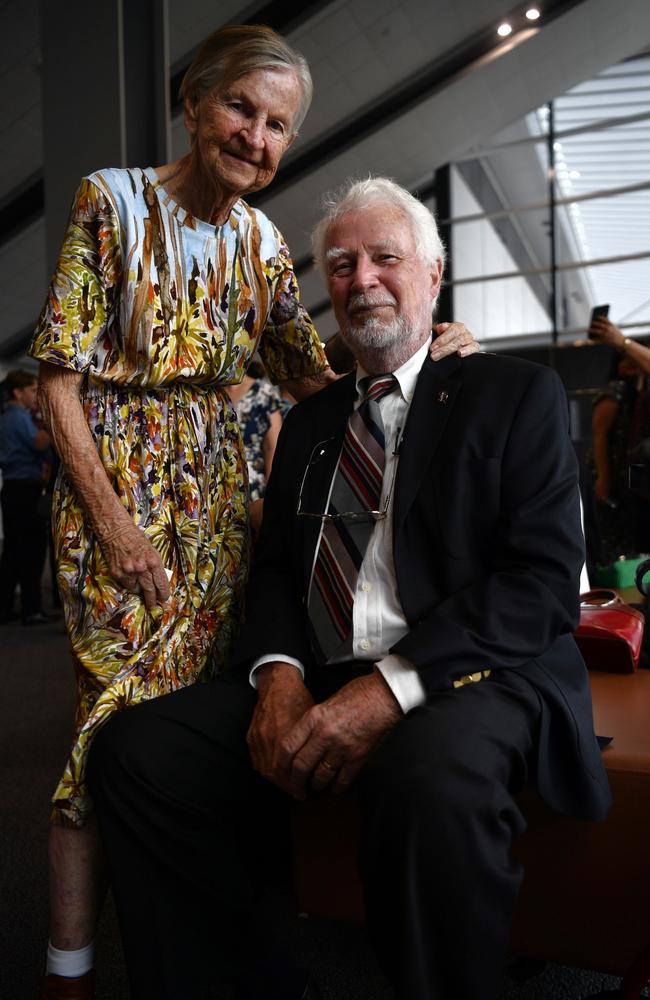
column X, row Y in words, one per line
column 357, row 195
column 230, row 53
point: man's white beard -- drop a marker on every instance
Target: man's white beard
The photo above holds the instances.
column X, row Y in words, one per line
column 376, row 334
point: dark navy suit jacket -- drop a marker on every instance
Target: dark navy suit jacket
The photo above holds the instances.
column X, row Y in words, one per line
column 487, row 547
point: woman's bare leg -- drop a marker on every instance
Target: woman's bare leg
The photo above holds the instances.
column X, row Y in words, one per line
column 77, row 885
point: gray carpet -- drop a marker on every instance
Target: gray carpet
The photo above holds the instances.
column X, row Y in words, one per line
column 35, row 726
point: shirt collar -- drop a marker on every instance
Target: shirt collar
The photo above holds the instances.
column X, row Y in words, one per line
column 406, row 374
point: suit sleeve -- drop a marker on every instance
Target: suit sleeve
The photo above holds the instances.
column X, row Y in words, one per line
column 515, row 610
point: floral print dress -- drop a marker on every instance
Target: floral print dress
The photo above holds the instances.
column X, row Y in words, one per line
column 160, row 311
column 254, row 411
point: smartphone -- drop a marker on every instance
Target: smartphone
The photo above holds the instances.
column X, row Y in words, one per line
column 595, row 312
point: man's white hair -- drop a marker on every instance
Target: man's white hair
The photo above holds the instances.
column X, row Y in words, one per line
column 357, row 195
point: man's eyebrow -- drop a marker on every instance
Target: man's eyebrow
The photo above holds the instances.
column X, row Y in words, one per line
column 335, row 252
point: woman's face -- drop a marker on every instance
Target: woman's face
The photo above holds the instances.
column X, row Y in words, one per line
column 241, row 131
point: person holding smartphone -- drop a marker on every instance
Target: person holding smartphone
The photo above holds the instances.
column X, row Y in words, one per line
column 602, row 329
column 620, row 419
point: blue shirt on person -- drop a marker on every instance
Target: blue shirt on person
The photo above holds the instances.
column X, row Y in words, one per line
column 19, row 456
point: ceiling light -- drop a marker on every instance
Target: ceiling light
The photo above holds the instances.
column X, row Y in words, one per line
column 532, row 14
column 504, row 29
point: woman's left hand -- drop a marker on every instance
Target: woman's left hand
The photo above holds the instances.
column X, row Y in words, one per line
column 453, row 338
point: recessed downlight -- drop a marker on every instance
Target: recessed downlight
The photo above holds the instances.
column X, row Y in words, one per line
column 504, row 29
column 533, row 14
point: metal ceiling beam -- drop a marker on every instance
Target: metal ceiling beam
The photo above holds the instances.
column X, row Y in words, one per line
column 570, row 266
column 596, row 126
column 537, row 205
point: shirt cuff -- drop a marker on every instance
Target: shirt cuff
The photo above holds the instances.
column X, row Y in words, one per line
column 274, row 658
column 403, row 680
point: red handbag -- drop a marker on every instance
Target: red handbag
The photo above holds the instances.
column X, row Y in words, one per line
column 610, row 632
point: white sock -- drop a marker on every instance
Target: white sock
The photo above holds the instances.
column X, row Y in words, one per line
column 69, row 963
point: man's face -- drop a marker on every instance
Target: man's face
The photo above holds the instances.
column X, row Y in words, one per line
column 241, row 131
column 381, row 290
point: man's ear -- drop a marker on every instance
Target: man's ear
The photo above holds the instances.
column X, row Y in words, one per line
column 436, row 279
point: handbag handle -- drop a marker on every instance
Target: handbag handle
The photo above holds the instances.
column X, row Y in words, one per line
column 596, row 599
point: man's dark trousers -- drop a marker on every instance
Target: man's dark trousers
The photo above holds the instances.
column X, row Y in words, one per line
column 190, row 831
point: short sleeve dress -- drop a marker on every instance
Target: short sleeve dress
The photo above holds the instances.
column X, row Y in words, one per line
column 160, row 311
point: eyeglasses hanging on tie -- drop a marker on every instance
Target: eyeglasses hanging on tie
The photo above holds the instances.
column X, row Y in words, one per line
column 352, row 516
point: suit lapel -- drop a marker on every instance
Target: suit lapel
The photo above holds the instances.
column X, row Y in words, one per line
column 433, row 400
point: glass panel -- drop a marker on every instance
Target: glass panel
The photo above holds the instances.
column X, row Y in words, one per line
column 500, row 248
column 505, row 307
column 488, row 238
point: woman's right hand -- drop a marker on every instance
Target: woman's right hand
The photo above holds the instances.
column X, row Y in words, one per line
column 134, row 563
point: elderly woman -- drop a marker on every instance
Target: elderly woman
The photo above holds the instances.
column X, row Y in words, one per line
column 166, row 285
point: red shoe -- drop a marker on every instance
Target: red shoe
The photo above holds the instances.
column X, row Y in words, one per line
column 68, row 987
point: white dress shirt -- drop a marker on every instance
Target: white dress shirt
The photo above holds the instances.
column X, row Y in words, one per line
column 378, row 620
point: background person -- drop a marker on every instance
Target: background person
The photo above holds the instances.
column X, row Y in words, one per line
column 604, row 330
column 620, row 419
column 166, row 285
column 23, row 453
column 258, row 406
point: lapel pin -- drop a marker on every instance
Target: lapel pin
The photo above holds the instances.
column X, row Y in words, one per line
column 442, row 397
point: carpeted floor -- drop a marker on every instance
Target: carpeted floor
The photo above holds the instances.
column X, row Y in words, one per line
column 35, row 726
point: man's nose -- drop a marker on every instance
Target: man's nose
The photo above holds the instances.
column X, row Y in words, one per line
column 365, row 274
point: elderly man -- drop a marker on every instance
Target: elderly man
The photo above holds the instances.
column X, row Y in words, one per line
column 409, row 636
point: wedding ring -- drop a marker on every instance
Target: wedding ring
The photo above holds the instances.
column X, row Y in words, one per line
column 326, row 763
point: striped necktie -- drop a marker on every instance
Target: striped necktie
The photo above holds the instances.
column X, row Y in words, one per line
column 343, row 543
